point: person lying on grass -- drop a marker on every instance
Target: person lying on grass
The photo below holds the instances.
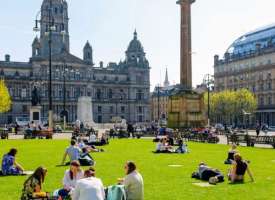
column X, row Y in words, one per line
column 231, row 152
column 163, row 147
column 133, row 182
column 9, row 164
column 91, row 148
column 206, row 173
column 89, row 188
column 238, row 170
column 32, row 187
column 71, row 176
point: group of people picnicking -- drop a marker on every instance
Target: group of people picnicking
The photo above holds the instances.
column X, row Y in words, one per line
column 78, row 184
column 165, row 145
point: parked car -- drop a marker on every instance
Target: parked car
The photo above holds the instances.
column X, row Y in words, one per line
column 57, row 129
column 271, row 128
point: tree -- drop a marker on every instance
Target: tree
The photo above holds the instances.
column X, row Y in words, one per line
column 5, row 99
column 229, row 106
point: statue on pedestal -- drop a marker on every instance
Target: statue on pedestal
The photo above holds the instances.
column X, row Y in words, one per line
column 36, row 100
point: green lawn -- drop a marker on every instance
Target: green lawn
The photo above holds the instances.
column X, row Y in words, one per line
column 161, row 181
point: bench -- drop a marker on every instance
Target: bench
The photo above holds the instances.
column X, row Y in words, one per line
column 251, row 140
column 32, row 134
column 4, row 133
column 200, row 137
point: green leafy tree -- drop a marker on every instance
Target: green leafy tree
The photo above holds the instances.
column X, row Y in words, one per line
column 5, row 99
column 228, row 106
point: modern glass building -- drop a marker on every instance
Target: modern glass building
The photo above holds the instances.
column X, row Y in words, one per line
column 249, row 62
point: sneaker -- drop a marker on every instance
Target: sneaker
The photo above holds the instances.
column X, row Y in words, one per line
column 213, row 180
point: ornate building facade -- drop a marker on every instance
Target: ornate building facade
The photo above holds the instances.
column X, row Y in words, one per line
column 118, row 89
column 250, row 63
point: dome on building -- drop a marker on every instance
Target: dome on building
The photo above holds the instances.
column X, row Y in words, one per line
column 135, row 45
column 258, row 39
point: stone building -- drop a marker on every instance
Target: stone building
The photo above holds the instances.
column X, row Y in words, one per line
column 159, row 100
column 118, row 89
column 250, row 63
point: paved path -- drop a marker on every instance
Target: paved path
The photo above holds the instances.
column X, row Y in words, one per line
column 223, row 140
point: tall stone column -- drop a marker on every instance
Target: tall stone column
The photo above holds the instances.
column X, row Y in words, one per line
column 185, row 48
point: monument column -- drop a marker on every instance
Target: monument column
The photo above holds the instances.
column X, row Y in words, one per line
column 185, row 48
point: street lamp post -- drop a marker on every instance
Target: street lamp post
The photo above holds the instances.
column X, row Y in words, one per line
column 208, row 81
column 64, row 112
column 49, row 22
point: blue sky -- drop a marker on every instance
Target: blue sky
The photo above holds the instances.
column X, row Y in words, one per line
column 109, row 26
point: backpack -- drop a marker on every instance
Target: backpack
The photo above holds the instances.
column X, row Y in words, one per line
column 116, row 192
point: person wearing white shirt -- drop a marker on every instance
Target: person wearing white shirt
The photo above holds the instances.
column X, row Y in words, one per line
column 70, row 178
column 133, row 182
column 89, row 188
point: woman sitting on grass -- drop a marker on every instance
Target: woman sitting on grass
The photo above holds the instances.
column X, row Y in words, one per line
column 163, row 147
column 239, row 167
column 231, row 153
column 33, row 185
column 9, row 164
column 133, row 182
column 70, row 178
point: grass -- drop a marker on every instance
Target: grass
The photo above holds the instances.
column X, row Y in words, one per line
column 161, row 181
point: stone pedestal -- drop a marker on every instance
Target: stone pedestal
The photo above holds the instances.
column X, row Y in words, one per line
column 186, row 109
column 85, row 110
column 35, row 114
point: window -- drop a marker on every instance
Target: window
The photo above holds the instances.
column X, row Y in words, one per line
column 139, row 95
column 140, row 118
column 55, row 10
column 269, row 100
column 269, row 86
column 110, row 94
column 98, row 94
column 122, row 109
column 99, row 119
column 140, row 109
column 111, row 109
column 99, row 109
column 24, row 108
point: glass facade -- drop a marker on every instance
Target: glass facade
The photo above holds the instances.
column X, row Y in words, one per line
column 260, row 38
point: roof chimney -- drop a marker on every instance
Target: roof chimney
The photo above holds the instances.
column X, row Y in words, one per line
column 7, row 58
column 101, row 64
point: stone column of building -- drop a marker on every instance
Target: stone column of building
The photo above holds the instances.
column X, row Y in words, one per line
column 185, row 49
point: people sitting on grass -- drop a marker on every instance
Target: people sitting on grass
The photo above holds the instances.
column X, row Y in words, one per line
column 89, row 187
column 206, row 173
column 182, row 147
column 238, row 170
column 70, row 178
column 32, row 187
column 73, row 151
column 9, row 164
column 231, row 152
column 163, row 147
column 133, row 182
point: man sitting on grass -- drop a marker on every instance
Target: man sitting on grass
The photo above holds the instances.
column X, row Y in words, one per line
column 206, row 173
column 73, row 152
